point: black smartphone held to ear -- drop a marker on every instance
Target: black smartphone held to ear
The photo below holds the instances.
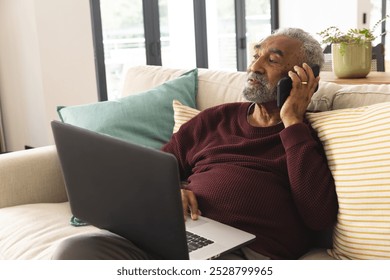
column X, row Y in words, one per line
column 285, row 85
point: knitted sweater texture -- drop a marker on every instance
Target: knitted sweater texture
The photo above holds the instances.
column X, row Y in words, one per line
column 273, row 182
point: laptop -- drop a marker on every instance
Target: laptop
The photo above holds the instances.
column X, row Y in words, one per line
column 134, row 191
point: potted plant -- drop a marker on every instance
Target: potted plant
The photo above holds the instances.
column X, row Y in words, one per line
column 351, row 50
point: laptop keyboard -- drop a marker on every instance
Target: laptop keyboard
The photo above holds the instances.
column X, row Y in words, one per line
column 195, row 241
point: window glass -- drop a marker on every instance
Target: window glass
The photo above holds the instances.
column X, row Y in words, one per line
column 221, row 34
column 123, row 40
column 177, row 33
column 258, row 23
column 387, row 43
column 375, row 16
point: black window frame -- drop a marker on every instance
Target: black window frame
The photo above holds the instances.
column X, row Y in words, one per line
column 152, row 32
column 97, row 37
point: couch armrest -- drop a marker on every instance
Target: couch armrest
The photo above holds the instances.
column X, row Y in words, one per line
column 31, row 176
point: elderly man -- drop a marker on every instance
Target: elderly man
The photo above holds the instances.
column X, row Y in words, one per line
column 251, row 165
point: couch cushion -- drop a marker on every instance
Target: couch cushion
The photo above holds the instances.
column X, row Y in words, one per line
column 323, row 98
column 357, row 145
column 331, row 96
column 145, row 118
column 360, row 95
column 31, row 176
column 218, row 87
column 214, row 88
column 317, row 254
column 145, row 77
column 32, row 231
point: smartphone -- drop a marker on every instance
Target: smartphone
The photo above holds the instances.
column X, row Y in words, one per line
column 285, row 85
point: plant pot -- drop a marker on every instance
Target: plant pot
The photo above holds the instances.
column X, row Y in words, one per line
column 351, row 60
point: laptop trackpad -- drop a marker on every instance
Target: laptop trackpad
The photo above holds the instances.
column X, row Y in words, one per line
column 193, row 224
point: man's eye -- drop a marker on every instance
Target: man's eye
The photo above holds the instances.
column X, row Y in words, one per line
column 256, row 57
column 272, row 60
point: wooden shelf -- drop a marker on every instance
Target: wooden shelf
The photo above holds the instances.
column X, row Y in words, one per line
column 372, row 78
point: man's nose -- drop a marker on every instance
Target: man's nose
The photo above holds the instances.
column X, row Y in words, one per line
column 257, row 66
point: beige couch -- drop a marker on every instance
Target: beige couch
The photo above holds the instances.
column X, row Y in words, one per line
column 34, row 212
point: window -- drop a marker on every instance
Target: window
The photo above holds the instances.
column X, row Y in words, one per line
column 386, row 11
column 377, row 13
column 216, row 34
column 221, row 34
column 379, row 10
column 258, row 22
column 123, row 39
column 177, row 33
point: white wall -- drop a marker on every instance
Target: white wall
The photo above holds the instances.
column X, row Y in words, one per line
column 314, row 16
column 46, row 59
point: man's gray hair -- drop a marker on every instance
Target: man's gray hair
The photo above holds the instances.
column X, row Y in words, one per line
column 311, row 48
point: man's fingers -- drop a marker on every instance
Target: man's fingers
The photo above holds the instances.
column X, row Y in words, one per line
column 190, row 204
column 193, row 205
column 184, row 202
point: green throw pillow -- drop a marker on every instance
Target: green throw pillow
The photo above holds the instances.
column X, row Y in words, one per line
column 145, row 118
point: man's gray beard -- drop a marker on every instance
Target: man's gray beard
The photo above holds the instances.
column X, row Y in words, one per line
column 260, row 92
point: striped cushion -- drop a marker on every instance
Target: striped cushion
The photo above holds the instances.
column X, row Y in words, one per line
column 357, row 145
column 182, row 114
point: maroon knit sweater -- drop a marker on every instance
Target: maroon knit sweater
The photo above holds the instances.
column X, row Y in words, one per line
column 272, row 182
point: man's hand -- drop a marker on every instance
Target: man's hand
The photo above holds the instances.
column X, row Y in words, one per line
column 190, row 204
column 303, row 86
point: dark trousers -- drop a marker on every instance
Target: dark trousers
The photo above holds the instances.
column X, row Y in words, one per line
column 109, row 246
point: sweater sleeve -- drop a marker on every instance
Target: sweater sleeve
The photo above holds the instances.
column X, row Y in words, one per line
column 311, row 181
column 182, row 144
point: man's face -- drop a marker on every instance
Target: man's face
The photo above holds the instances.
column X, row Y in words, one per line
column 257, row 89
column 274, row 57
